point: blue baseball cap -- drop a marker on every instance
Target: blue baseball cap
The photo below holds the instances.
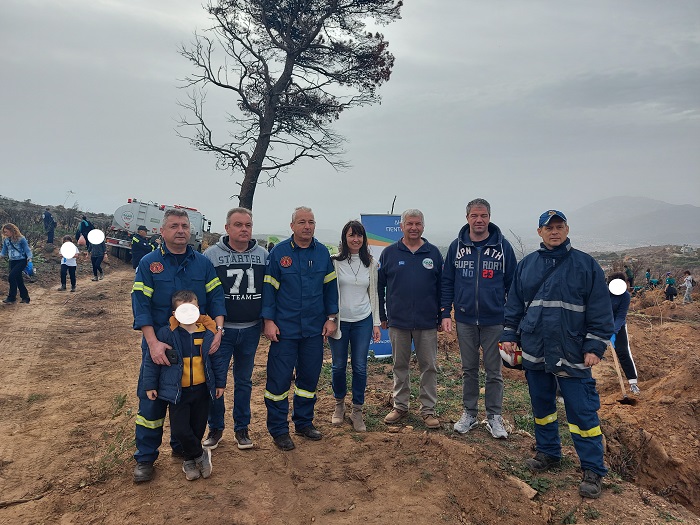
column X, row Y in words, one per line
column 547, row 216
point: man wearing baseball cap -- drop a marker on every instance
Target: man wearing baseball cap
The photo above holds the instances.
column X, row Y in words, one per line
column 558, row 312
column 140, row 246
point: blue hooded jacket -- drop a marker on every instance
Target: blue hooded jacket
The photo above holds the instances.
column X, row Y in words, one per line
column 568, row 316
column 477, row 279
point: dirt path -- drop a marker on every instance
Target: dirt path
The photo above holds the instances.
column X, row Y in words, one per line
column 67, row 404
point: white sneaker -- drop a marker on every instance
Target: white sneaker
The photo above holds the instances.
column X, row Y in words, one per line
column 465, row 423
column 495, row 425
column 634, row 389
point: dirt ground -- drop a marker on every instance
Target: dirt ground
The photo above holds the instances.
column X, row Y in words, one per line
column 70, row 366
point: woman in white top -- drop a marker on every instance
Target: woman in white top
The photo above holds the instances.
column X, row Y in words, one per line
column 359, row 320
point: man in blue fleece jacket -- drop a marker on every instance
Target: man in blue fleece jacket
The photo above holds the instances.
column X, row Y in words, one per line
column 409, row 287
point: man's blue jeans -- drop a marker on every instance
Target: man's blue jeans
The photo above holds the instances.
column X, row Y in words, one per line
column 241, row 344
column 358, row 334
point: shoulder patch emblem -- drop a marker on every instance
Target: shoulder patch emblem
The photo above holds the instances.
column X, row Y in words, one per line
column 156, row 267
column 428, row 263
column 286, row 261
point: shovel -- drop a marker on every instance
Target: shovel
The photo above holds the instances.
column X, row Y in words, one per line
column 625, row 399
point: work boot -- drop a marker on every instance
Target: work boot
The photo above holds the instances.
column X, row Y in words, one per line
column 591, row 485
column 395, row 416
column 430, row 421
column 61, row 288
column 356, row 417
column 284, row 442
column 143, row 471
column 542, row 462
column 309, row 432
column 203, row 463
column 339, row 413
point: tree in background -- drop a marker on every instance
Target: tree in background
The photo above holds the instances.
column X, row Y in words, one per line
column 292, row 67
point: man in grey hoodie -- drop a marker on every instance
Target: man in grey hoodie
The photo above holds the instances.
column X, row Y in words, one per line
column 240, row 265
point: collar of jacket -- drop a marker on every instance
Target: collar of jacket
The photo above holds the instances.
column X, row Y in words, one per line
column 423, row 247
column 189, row 252
column 224, row 245
column 493, row 240
column 557, row 252
column 203, row 323
column 295, row 246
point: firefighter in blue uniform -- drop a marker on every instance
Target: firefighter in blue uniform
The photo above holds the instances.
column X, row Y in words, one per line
column 300, row 307
column 558, row 311
column 174, row 266
column 140, row 246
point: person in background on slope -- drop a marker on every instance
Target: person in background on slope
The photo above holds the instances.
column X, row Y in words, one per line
column 670, row 290
column 688, row 283
column 629, row 274
column 620, row 338
column 140, row 246
column 68, row 266
column 49, row 225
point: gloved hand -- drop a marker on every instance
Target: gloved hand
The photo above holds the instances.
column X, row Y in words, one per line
column 612, row 340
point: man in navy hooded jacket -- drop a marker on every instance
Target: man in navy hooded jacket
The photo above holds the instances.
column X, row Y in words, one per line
column 478, row 271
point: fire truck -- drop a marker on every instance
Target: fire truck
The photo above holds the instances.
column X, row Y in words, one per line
column 137, row 213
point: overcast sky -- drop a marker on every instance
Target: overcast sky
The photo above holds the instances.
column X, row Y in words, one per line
column 529, row 104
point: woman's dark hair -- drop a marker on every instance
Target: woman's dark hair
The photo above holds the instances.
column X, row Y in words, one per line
column 356, row 227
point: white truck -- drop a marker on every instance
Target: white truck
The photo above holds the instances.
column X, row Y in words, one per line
column 136, row 213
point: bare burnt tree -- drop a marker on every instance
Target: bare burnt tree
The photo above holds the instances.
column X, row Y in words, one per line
column 292, row 67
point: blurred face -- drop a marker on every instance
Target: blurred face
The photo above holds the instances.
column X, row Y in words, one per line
column 303, row 227
column 354, row 240
column 478, row 219
column 7, row 233
column 412, row 228
column 176, row 233
column 554, row 233
column 239, row 228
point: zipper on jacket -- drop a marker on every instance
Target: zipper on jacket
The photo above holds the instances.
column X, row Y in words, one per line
column 478, row 278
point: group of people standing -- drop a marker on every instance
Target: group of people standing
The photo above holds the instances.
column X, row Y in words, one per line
column 298, row 295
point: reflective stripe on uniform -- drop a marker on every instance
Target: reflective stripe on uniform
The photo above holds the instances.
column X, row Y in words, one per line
column 565, row 362
column 269, row 395
column 546, row 420
column 271, row 280
column 593, row 432
column 328, row 278
column 559, row 304
column 140, row 287
column 140, row 420
column 212, row 284
column 304, row 393
column 596, row 338
column 532, row 358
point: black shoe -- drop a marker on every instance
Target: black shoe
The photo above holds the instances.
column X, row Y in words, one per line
column 309, row 432
column 591, row 485
column 143, row 472
column 284, row 442
column 9, row 301
column 25, row 300
column 243, row 439
column 542, row 462
column 213, row 439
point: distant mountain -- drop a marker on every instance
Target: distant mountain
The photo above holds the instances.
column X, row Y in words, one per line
column 636, row 221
